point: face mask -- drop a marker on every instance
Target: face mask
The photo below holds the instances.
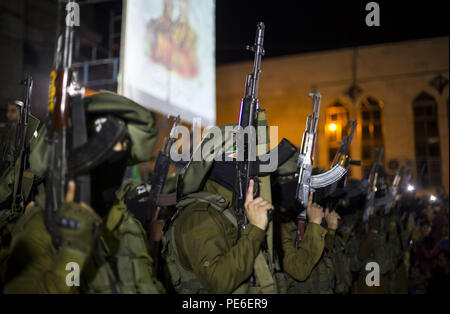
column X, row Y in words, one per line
column 106, row 179
column 224, row 173
column 139, row 207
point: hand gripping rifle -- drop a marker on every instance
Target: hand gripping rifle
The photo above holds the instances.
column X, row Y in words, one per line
column 308, row 183
column 371, row 187
column 160, row 171
column 247, row 170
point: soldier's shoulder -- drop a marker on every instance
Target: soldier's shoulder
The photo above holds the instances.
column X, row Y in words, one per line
column 193, row 213
column 200, row 210
column 196, row 206
column 202, row 201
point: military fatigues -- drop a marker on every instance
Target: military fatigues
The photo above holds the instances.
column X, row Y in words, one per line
column 9, row 210
column 322, row 277
column 7, row 145
column 375, row 248
column 342, row 265
column 206, row 257
column 128, row 265
column 10, row 207
column 119, row 261
column 400, row 256
column 201, row 247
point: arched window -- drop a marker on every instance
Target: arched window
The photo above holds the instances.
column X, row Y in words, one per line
column 372, row 130
column 426, row 140
column 337, row 117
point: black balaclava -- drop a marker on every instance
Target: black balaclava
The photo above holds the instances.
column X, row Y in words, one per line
column 138, row 205
column 107, row 176
column 106, row 179
column 224, row 173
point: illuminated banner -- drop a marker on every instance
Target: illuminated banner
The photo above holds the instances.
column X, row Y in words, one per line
column 167, row 57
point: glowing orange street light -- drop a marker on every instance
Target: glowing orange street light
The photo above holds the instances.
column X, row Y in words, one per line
column 332, row 127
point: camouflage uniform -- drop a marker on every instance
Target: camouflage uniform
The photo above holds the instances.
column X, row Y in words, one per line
column 10, row 211
column 10, row 207
column 376, row 248
column 204, row 255
column 119, row 262
column 322, row 277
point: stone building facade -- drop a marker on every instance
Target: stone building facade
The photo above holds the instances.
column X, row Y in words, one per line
column 402, row 103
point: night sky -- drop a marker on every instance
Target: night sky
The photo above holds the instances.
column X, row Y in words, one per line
column 302, row 26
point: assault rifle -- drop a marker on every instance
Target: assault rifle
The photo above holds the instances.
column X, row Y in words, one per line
column 66, row 130
column 6, row 149
column 371, row 186
column 23, row 144
column 248, row 117
column 336, row 192
column 160, row 170
column 389, row 199
column 308, row 183
column 342, row 158
column 9, row 155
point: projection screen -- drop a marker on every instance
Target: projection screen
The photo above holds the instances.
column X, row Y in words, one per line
column 168, row 57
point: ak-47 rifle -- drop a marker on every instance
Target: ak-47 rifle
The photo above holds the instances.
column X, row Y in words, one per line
column 371, row 187
column 247, row 170
column 23, row 145
column 159, row 176
column 342, row 157
column 389, row 199
column 9, row 155
column 308, row 183
column 160, row 170
column 6, row 149
column 66, row 130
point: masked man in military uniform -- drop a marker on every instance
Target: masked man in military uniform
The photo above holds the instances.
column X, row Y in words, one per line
column 102, row 240
column 322, row 277
column 201, row 247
